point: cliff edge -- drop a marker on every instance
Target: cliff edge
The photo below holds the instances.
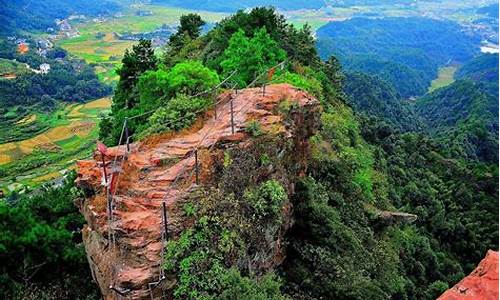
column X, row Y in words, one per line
column 481, row 284
column 124, row 236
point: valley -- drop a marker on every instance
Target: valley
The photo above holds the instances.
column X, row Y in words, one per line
column 99, row 43
column 354, row 158
column 70, row 135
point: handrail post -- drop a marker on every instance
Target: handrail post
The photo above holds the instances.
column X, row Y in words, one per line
column 104, row 170
column 164, row 206
column 127, row 136
column 215, row 107
column 197, row 172
column 232, row 116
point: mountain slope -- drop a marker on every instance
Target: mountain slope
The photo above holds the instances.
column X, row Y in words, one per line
column 465, row 116
column 27, row 15
column 163, row 171
column 404, row 51
column 484, row 69
column 374, row 97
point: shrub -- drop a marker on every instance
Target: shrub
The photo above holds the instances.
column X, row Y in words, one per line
column 178, row 113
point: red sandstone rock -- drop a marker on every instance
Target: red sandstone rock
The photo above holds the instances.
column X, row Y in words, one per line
column 146, row 178
column 481, row 284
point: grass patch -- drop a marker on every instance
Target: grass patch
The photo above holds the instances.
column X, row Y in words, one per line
column 445, row 77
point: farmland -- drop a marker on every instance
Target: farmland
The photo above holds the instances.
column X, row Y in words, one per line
column 45, row 156
column 99, row 45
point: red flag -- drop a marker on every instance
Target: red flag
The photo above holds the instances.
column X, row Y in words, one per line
column 270, row 73
column 102, row 148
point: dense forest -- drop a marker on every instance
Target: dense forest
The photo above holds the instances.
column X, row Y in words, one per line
column 366, row 158
column 26, row 15
column 406, row 52
column 41, row 253
column 373, row 97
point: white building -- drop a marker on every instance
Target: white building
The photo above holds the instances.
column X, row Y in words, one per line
column 44, row 68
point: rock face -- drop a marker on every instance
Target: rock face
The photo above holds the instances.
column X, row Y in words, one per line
column 481, row 284
column 123, row 237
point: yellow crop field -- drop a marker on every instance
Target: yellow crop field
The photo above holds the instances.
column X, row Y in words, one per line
column 46, row 139
column 47, row 177
column 4, row 159
column 99, row 103
column 75, row 112
column 81, row 125
column 27, row 119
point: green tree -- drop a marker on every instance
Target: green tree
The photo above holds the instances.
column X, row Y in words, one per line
column 189, row 29
column 40, row 246
column 190, row 78
column 134, row 64
column 251, row 56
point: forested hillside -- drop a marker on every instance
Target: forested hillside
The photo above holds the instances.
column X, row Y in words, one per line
column 369, row 171
column 483, row 69
column 373, row 97
column 464, row 115
column 404, row 51
column 26, row 15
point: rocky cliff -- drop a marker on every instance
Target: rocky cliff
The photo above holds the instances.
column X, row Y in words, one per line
column 124, row 235
column 481, row 284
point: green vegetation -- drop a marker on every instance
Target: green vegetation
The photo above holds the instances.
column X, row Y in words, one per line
column 377, row 99
column 70, row 134
column 8, row 66
column 338, row 247
column 25, row 15
column 465, row 116
column 483, row 69
column 199, row 256
column 41, row 254
column 224, row 6
column 106, row 53
column 369, row 155
column 250, row 56
column 395, row 49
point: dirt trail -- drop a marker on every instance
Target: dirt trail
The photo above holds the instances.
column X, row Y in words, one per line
column 158, row 171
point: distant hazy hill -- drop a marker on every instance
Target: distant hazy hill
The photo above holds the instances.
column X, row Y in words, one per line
column 229, row 6
column 483, row 68
column 490, row 10
column 28, row 15
column 389, row 47
column 369, row 2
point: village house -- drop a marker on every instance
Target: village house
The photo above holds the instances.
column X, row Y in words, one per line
column 44, row 69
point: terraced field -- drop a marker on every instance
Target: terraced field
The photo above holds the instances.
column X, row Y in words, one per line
column 32, row 161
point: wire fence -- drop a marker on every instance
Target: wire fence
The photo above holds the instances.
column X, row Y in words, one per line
column 174, row 185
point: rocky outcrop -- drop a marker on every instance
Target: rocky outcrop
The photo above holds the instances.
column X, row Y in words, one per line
column 481, row 284
column 123, row 237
